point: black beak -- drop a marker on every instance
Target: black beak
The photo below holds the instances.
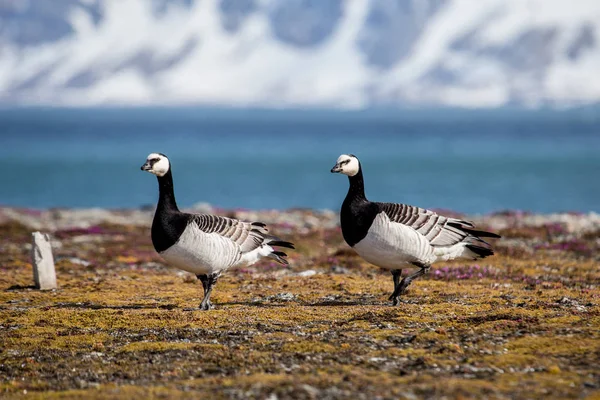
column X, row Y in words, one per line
column 336, row 168
column 146, row 166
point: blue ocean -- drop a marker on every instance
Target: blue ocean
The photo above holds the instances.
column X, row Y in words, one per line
column 467, row 161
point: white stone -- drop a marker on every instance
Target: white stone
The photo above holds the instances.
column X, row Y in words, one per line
column 307, row 273
column 42, row 260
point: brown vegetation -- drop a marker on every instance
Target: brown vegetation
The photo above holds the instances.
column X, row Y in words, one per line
column 522, row 324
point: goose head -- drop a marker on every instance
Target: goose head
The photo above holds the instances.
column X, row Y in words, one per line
column 157, row 164
column 346, row 164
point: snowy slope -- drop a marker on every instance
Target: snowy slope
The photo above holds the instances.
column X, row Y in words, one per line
column 282, row 53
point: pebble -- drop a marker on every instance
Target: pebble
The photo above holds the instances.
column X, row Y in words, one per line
column 307, row 273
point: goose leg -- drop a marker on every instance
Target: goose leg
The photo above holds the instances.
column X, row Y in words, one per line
column 396, row 274
column 208, row 282
column 424, row 269
column 204, row 280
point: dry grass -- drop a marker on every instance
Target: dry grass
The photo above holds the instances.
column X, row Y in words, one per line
column 517, row 325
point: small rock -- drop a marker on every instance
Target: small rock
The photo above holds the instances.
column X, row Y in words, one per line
column 78, row 261
column 309, row 272
column 285, row 296
column 44, row 274
column 311, row 390
column 338, row 269
column 331, row 297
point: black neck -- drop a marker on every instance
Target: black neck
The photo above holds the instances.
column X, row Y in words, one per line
column 357, row 214
column 166, row 196
column 357, row 187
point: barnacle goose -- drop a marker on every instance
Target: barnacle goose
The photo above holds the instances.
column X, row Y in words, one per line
column 395, row 236
column 205, row 245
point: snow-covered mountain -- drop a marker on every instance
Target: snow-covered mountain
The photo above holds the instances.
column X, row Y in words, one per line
column 288, row 53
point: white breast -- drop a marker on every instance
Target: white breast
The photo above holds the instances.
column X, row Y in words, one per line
column 202, row 253
column 391, row 245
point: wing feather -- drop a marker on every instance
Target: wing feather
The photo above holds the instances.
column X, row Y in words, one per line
column 244, row 234
column 439, row 230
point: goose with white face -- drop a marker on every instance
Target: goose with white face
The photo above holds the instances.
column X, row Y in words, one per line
column 346, row 164
column 205, row 245
column 396, row 236
column 157, row 164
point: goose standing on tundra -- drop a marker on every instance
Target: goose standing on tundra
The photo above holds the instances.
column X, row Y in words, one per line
column 205, row 245
column 395, row 236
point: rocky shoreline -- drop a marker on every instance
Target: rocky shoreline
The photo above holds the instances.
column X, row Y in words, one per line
column 293, row 219
column 520, row 230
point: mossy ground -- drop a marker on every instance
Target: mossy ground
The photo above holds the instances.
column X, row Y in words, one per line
column 521, row 324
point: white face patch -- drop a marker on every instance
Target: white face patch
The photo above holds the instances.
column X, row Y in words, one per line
column 159, row 164
column 347, row 165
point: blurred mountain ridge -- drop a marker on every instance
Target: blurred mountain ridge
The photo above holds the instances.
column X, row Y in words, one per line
column 300, row 53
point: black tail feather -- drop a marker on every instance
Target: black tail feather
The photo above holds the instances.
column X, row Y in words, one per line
column 480, row 250
column 281, row 243
column 278, row 256
column 474, row 232
column 482, row 233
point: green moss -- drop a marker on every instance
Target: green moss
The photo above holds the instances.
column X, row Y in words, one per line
column 310, row 347
column 554, row 346
column 120, row 329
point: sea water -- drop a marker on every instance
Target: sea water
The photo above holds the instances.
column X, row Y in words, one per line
column 471, row 162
